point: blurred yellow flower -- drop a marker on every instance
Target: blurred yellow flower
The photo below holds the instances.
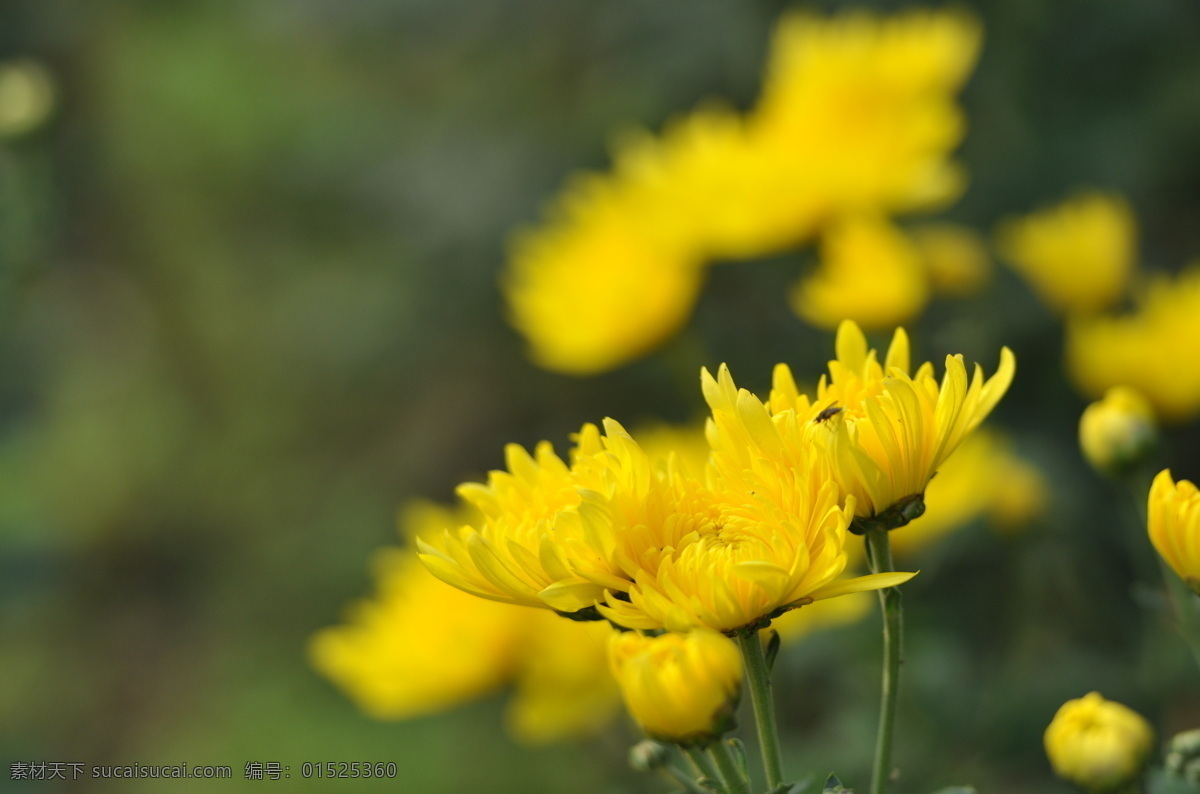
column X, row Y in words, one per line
column 869, row 272
column 1019, row 495
column 857, row 116
column 397, row 657
column 983, row 478
column 1173, row 518
column 564, row 688
column 597, row 286
column 1117, row 431
column 889, row 432
column 1076, row 256
column 861, row 108
column 707, row 184
column 26, row 96
column 681, row 688
column 1147, row 350
column 955, row 258
column 420, row 646
column 1098, row 744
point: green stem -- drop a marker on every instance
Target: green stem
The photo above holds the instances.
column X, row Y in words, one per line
column 685, row 780
column 759, row 679
column 704, row 765
column 735, row 780
column 1187, row 609
column 879, row 555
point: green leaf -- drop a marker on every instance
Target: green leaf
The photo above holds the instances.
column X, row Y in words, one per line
column 806, row 786
column 834, row 786
column 772, row 649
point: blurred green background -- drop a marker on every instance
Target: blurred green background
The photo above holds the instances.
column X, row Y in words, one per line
column 248, row 281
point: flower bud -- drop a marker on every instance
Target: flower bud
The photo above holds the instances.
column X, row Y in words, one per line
column 1117, row 431
column 1173, row 518
column 648, row 756
column 1098, row 744
column 680, row 688
column 1183, row 756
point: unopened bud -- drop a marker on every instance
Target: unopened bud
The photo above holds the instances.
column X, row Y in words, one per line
column 1183, row 756
column 1117, row 431
column 1098, row 744
column 648, row 756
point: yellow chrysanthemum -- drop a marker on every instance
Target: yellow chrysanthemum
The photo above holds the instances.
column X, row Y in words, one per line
column 1174, row 525
column 563, row 685
column 420, row 646
column 1022, row 495
column 726, row 554
column 1117, row 431
column 955, row 258
column 1147, row 349
column 869, row 272
column 1098, row 744
column 530, row 516
column 863, row 106
column 27, row 95
column 680, row 688
column 1078, row 255
column 887, row 431
column 598, row 285
column 707, row 183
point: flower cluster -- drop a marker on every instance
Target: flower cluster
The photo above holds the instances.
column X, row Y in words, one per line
column 723, row 539
column 856, row 122
column 1080, row 257
column 419, row 646
column 761, row 528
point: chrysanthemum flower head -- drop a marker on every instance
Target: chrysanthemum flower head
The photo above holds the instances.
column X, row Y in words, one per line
column 1078, row 255
column 866, row 106
column 955, row 258
column 598, row 285
column 1174, row 525
column 869, row 272
column 420, row 646
column 885, row 430
column 709, row 184
column 681, row 688
column 1144, row 349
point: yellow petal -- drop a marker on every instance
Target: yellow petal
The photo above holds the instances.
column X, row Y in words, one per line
column 572, row 595
column 874, row 581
